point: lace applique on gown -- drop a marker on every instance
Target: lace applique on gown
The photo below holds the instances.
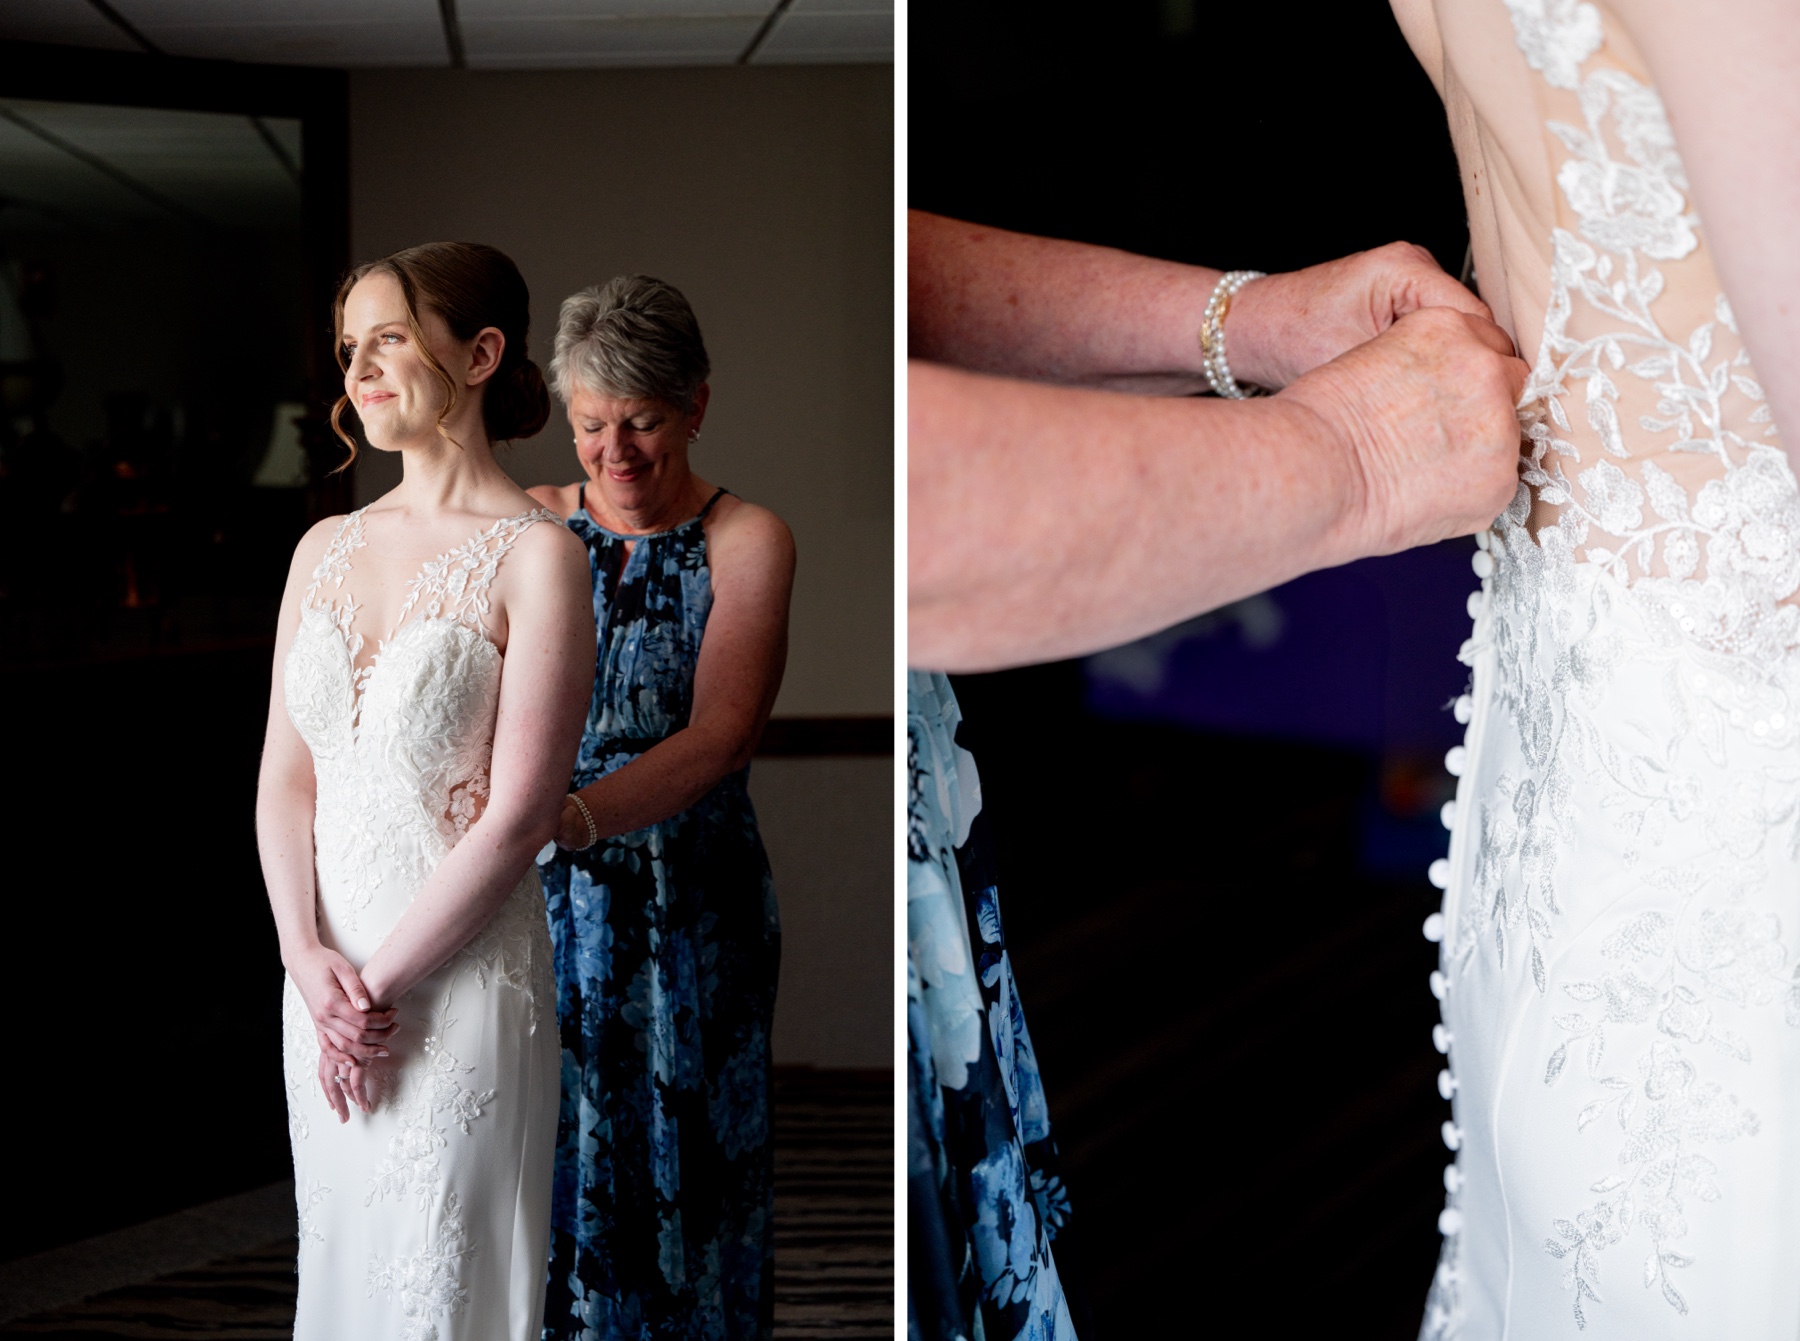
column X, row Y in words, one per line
column 427, row 1220
column 1618, row 965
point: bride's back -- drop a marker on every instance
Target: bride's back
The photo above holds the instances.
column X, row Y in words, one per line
column 1651, row 450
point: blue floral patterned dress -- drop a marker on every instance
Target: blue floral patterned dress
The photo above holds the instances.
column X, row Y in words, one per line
column 666, row 944
column 984, row 1198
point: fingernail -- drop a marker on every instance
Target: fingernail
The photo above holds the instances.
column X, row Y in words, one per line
column 362, row 1003
column 382, row 1053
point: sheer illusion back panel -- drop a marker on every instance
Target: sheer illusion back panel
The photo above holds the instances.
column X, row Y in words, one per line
column 1649, row 448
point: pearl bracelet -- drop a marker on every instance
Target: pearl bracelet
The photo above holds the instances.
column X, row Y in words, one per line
column 1212, row 337
column 588, row 815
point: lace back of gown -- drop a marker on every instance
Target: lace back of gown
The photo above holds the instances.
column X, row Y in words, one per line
column 1622, row 893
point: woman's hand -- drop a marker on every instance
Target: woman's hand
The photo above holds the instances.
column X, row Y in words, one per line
column 343, row 1079
column 340, row 1005
column 1285, row 325
column 1425, row 413
column 572, row 829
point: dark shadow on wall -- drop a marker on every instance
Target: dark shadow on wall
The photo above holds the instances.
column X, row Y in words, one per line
column 1214, row 900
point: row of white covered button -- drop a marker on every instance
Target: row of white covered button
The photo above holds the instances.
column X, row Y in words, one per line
column 1455, row 762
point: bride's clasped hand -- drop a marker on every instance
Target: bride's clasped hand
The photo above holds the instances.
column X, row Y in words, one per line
column 352, row 1031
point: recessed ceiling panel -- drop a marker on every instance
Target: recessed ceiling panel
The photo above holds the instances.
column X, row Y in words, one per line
column 74, row 165
column 842, row 37
column 73, row 23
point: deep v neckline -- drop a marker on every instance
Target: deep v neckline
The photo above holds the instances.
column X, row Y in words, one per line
column 342, row 615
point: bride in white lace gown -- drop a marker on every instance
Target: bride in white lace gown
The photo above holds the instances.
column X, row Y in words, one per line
column 407, row 784
column 1620, row 958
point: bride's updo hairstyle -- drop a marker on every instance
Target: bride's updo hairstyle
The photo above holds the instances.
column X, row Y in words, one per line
column 471, row 286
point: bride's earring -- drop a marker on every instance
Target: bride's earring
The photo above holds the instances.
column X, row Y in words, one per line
column 693, row 435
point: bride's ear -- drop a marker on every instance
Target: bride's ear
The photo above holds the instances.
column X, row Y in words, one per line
column 484, row 355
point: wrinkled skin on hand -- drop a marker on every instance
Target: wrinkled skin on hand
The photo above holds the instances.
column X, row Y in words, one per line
column 1427, row 411
column 1282, row 327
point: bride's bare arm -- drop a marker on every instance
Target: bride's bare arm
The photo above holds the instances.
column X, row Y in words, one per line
column 339, row 1003
column 1726, row 73
column 544, row 691
column 991, row 301
column 1046, row 522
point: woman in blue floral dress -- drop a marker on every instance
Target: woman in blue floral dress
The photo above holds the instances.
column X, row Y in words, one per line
column 661, row 909
column 984, row 1197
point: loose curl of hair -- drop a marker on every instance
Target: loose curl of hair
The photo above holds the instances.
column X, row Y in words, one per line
column 471, row 286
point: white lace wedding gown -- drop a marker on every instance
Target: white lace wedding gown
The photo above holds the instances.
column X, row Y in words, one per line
column 1621, row 921
column 428, row 1220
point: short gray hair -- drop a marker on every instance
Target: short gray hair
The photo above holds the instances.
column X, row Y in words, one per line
column 633, row 337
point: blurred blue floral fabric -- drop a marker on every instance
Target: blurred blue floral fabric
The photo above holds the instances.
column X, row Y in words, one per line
column 985, row 1201
column 667, row 945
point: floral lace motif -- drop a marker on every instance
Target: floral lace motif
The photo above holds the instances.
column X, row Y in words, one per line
column 316, row 1192
column 401, row 753
column 1665, row 585
column 428, row 1281
column 429, row 1088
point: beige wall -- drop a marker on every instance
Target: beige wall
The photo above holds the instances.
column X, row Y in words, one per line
column 765, row 195
column 829, row 828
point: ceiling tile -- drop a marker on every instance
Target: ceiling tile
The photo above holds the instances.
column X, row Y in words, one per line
column 295, row 32
column 545, row 43
column 148, row 14
column 802, row 38
column 497, row 34
column 842, row 7
column 532, row 11
column 73, row 23
column 339, row 44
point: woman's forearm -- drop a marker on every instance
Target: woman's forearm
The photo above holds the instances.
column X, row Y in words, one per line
column 1045, row 522
column 284, row 819
column 666, row 779
column 460, row 898
column 1021, row 306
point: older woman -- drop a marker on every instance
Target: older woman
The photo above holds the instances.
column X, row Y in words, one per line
column 661, row 909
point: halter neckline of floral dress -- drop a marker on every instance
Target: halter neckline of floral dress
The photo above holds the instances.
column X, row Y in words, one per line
column 582, row 514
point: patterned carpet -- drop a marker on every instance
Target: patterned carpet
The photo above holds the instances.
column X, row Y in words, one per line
column 834, row 1239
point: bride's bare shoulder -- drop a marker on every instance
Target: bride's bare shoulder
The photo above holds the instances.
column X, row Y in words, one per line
column 314, row 543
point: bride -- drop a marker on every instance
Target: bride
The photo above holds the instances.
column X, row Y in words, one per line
column 1620, row 938
column 432, row 671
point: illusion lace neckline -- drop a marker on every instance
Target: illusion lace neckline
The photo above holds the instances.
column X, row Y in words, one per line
column 451, row 587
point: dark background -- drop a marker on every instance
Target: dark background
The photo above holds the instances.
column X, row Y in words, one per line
column 138, row 591
column 1214, row 886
